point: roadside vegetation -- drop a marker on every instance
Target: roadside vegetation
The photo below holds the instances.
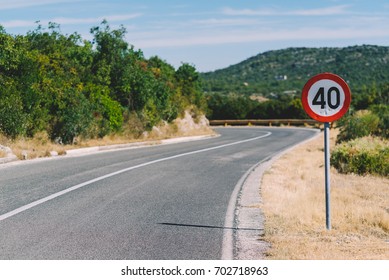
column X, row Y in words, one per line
column 366, row 155
column 64, row 90
column 293, row 190
column 294, row 208
column 294, row 198
column 235, row 107
column 363, row 142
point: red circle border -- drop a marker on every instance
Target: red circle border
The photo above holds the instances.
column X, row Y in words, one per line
column 336, row 79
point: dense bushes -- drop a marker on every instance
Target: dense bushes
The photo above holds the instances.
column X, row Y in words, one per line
column 382, row 111
column 365, row 122
column 74, row 88
column 232, row 106
column 286, row 107
column 362, row 156
column 227, row 107
column 363, row 145
column 360, row 124
column 12, row 117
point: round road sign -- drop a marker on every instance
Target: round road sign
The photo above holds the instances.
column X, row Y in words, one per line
column 326, row 97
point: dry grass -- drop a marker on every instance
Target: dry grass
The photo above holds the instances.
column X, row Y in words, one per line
column 294, row 208
column 162, row 132
column 41, row 146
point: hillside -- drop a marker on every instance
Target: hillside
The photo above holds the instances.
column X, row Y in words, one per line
column 288, row 70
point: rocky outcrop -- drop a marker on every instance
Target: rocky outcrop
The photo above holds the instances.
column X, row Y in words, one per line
column 191, row 123
column 9, row 156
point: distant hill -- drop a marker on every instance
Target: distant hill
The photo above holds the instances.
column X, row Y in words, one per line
column 286, row 71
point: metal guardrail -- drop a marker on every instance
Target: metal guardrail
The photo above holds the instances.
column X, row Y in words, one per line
column 270, row 122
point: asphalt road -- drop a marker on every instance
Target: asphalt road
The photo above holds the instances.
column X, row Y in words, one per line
column 158, row 202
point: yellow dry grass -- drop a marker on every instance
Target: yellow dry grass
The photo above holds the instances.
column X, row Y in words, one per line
column 41, row 145
column 294, row 209
column 163, row 132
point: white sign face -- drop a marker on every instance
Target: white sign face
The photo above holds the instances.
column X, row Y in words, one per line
column 326, row 97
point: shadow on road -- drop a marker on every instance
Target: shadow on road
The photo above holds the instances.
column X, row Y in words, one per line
column 205, row 226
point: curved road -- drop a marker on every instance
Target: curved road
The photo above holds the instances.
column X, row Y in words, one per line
column 158, row 202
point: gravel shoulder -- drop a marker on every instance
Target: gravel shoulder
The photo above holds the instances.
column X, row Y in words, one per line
column 249, row 218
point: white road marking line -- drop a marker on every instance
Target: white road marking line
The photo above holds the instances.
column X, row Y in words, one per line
column 73, row 188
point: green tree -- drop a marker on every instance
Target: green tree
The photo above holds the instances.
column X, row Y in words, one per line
column 13, row 120
column 113, row 61
column 189, row 84
column 382, row 112
column 108, row 113
column 73, row 88
column 359, row 124
column 74, row 118
column 164, row 88
column 223, row 107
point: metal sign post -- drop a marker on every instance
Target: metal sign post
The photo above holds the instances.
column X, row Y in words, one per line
column 327, row 173
column 326, row 97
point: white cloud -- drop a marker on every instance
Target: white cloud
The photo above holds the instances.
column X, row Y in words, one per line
column 17, row 4
column 317, row 34
column 70, row 21
column 112, row 18
column 333, row 10
column 224, row 22
column 329, row 11
column 17, row 23
column 248, row 12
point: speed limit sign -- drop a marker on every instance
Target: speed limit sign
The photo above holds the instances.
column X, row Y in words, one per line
column 326, row 97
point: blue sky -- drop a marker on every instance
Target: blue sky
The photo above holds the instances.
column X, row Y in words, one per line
column 211, row 34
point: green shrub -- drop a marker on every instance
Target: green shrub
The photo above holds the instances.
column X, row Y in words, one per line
column 382, row 111
column 75, row 119
column 108, row 113
column 367, row 155
column 13, row 121
column 360, row 124
column 149, row 115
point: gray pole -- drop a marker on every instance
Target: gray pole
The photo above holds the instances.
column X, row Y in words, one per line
column 327, row 172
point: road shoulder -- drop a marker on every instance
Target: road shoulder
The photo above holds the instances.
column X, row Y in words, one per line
column 249, row 219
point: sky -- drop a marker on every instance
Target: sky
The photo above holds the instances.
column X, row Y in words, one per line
column 211, row 34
